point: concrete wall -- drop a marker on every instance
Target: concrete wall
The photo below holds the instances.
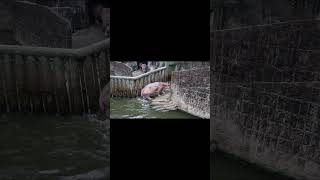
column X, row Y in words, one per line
column 265, row 95
column 37, row 25
column 191, row 91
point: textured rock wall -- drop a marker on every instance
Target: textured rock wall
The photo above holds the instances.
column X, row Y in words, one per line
column 119, row 69
column 37, row 25
column 236, row 13
column 191, row 91
column 265, row 92
column 181, row 65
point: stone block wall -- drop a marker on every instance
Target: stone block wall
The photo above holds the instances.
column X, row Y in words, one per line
column 265, row 95
column 37, row 25
column 191, row 91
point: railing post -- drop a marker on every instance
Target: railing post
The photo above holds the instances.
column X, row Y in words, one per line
column 5, row 78
column 46, row 85
column 18, row 69
column 67, row 76
column 81, row 83
column 55, row 84
column 85, row 84
column 30, row 78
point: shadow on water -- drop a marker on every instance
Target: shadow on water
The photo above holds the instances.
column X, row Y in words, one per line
column 134, row 108
column 226, row 167
column 52, row 147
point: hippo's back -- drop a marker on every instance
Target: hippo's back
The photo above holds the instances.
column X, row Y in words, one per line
column 149, row 87
column 153, row 84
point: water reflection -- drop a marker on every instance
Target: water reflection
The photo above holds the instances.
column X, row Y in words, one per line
column 224, row 167
column 137, row 108
column 53, row 147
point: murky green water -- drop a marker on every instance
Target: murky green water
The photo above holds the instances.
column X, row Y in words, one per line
column 51, row 147
column 225, row 167
column 133, row 108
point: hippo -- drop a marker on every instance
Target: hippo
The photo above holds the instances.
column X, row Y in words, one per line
column 153, row 89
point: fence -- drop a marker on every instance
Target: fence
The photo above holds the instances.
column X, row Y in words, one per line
column 52, row 80
column 123, row 86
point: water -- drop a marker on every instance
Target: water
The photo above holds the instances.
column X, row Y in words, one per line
column 225, row 167
column 133, row 108
column 52, row 147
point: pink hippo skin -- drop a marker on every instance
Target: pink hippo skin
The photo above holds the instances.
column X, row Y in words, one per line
column 153, row 89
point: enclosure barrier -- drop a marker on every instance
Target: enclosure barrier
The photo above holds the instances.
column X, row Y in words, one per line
column 191, row 91
column 124, row 86
column 52, row 80
column 265, row 105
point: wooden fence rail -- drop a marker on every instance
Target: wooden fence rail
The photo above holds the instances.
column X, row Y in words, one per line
column 52, row 80
column 124, row 86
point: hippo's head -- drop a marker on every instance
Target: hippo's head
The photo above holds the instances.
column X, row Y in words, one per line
column 166, row 85
column 143, row 68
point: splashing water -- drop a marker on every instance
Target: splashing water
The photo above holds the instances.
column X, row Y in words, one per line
column 137, row 108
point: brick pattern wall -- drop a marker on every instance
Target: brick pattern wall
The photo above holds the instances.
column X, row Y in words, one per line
column 37, row 25
column 266, row 95
column 192, row 91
